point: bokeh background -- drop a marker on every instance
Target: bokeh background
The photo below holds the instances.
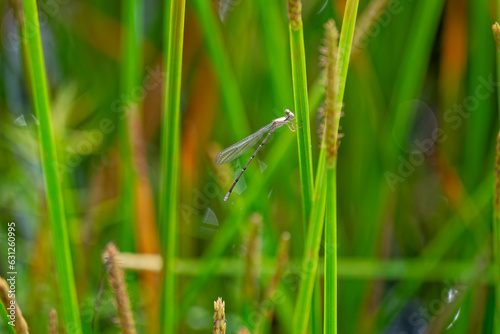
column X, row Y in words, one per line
column 415, row 207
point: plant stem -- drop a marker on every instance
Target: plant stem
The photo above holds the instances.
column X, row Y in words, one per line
column 300, row 97
column 131, row 50
column 496, row 238
column 330, row 276
column 61, row 248
column 496, row 218
column 216, row 49
column 313, row 240
column 169, row 191
column 496, row 212
column 334, row 96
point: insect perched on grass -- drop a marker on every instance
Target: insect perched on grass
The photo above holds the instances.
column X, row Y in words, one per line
column 236, row 150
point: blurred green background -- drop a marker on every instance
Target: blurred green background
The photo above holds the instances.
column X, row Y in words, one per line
column 415, row 192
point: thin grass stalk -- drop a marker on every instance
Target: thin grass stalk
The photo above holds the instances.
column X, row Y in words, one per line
column 332, row 118
column 61, row 247
column 300, row 96
column 169, row 190
column 496, row 34
column 496, row 212
column 19, row 15
column 402, row 269
column 337, row 67
column 301, row 103
column 479, row 122
column 415, row 60
column 216, row 49
column 311, row 253
column 129, row 79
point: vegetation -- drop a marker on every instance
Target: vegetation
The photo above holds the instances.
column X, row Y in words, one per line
column 380, row 214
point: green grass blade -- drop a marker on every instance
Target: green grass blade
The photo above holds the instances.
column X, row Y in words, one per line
column 413, row 67
column 311, row 254
column 301, row 100
column 496, row 212
column 496, row 238
column 337, row 67
column 61, row 247
column 331, row 266
column 169, row 191
column 129, row 79
column 481, row 116
column 274, row 39
column 216, row 50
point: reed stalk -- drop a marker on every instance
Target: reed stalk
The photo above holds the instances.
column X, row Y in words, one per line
column 170, row 163
column 337, row 60
column 55, row 203
column 496, row 211
column 300, row 96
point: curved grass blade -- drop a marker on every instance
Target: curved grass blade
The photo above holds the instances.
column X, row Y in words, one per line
column 236, row 150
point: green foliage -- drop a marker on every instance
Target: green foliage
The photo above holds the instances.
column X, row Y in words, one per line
column 406, row 210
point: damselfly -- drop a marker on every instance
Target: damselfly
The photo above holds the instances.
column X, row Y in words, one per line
column 236, row 150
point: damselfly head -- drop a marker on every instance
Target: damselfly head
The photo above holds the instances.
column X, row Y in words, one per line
column 289, row 114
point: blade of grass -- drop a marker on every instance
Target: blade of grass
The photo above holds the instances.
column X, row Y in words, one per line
column 479, row 117
column 311, row 253
column 300, row 96
column 413, row 69
column 131, row 50
column 169, row 191
column 61, row 247
column 216, row 50
column 403, row 269
column 301, row 102
column 496, row 238
column 496, row 212
column 337, row 67
column 274, row 39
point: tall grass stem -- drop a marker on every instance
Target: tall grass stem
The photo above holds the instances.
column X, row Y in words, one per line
column 300, row 96
column 337, row 67
column 311, row 253
column 131, row 50
column 496, row 238
column 170, row 163
column 61, row 247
